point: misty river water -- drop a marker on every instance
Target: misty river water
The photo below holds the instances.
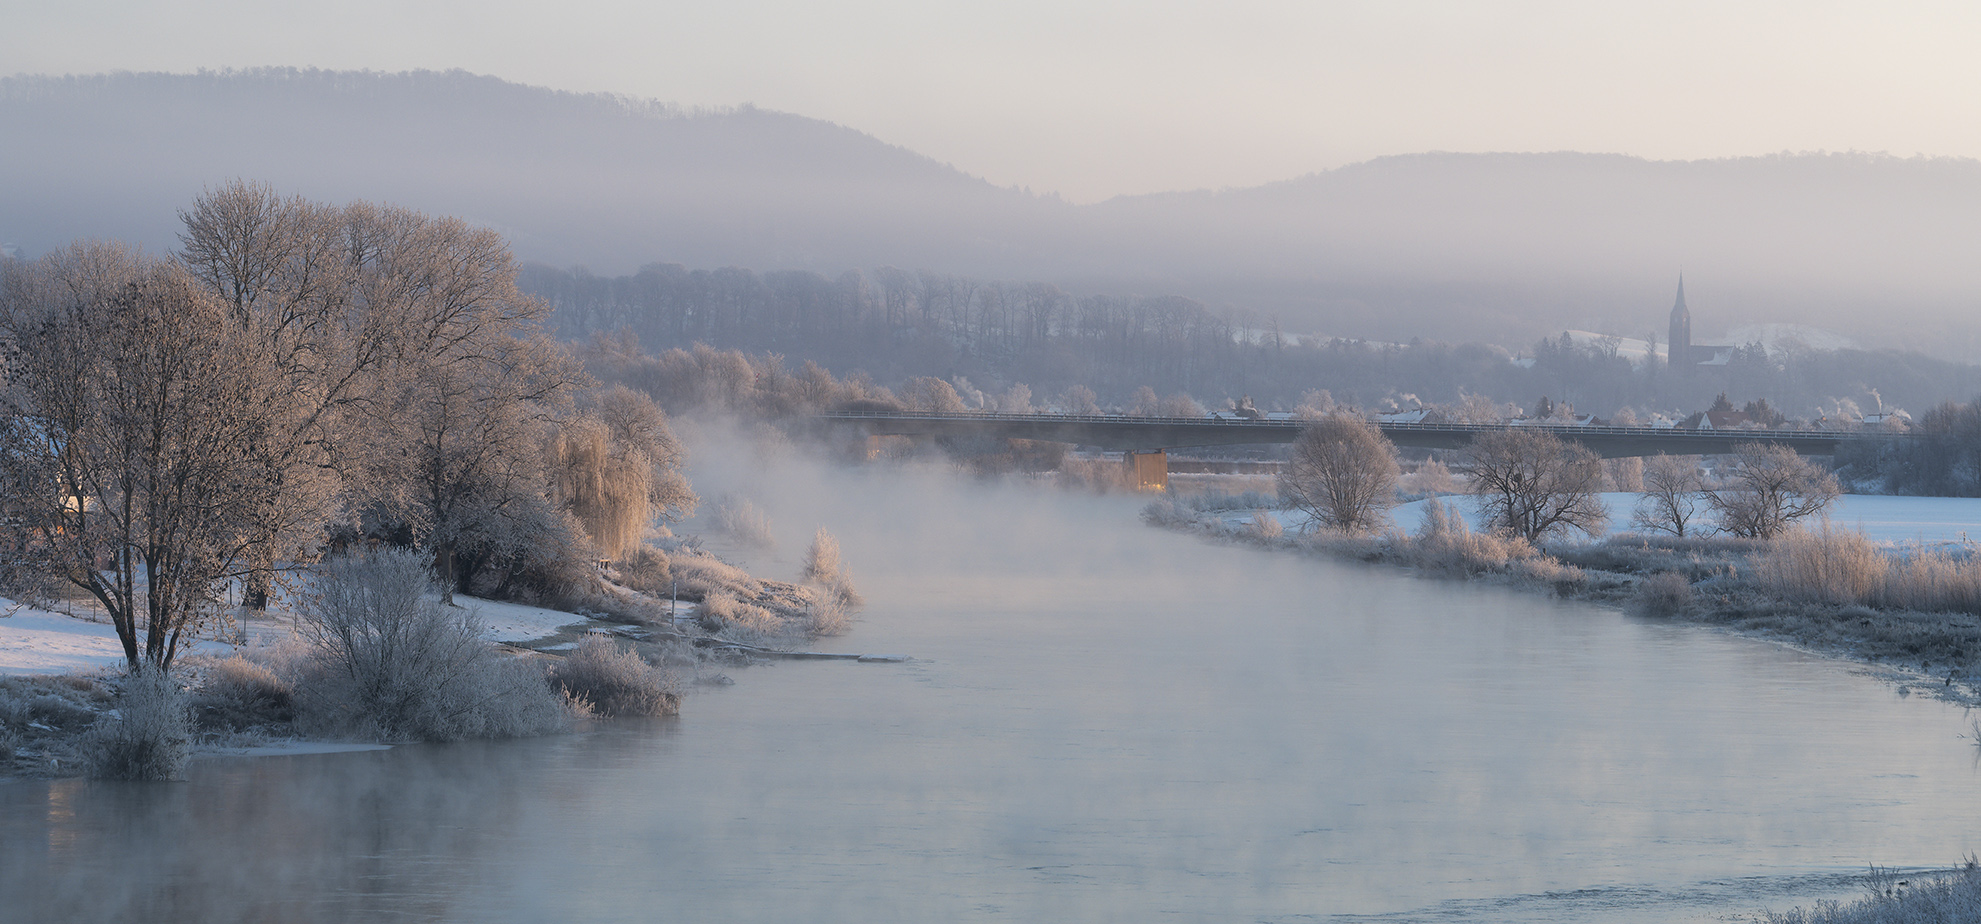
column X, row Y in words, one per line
column 1102, row 722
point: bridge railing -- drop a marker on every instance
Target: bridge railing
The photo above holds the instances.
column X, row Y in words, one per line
column 1563, row 430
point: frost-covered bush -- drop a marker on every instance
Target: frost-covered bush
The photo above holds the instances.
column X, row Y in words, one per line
column 149, row 739
column 237, row 694
column 1896, row 899
column 742, row 521
column 1166, row 512
column 827, row 617
column 1932, row 581
column 1666, row 593
column 823, row 567
column 646, row 570
column 1264, row 526
column 394, row 663
column 1543, row 569
column 1444, row 543
column 609, row 681
column 701, row 574
column 722, row 612
column 1824, row 565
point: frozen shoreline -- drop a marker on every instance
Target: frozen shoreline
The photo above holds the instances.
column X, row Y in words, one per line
column 1931, row 654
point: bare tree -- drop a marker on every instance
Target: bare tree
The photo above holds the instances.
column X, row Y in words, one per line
column 1531, row 484
column 138, row 413
column 1673, row 494
column 1342, row 474
column 1770, row 487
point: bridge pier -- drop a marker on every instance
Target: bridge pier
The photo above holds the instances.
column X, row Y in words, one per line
column 1147, row 471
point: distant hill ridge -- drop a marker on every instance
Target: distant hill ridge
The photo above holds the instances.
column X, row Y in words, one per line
column 1502, row 247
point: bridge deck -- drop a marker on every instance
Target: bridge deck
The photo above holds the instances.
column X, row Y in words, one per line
column 1150, row 433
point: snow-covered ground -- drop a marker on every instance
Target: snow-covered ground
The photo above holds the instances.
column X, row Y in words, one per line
column 41, row 642
column 1890, row 520
column 515, row 622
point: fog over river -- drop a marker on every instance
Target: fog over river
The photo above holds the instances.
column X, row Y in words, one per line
column 1102, row 722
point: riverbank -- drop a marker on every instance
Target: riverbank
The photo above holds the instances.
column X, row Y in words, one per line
column 1715, row 582
column 243, row 685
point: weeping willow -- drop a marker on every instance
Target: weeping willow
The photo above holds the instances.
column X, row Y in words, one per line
column 607, row 485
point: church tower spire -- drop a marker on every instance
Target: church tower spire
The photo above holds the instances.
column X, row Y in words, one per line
column 1678, row 348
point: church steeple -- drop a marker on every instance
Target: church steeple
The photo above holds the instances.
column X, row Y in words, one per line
column 1678, row 348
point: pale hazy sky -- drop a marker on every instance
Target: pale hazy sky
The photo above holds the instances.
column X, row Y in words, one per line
column 1094, row 98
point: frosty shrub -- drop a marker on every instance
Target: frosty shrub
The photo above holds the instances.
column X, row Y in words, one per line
column 722, row 612
column 1265, row 526
column 1666, row 593
column 823, row 567
column 1166, row 512
column 1895, row 899
column 1430, row 477
column 646, row 570
column 742, row 521
column 1444, row 543
column 610, row 681
column 152, row 737
column 1545, row 570
column 396, row 664
column 238, row 693
column 701, row 574
column 1933, row 581
column 827, row 617
column 1824, row 565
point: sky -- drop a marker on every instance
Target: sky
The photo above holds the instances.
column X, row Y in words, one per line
column 1097, row 98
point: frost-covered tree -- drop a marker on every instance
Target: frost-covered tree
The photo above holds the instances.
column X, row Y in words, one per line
column 616, row 467
column 1179, row 405
column 928, row 393
column 140, row 415
column 1673, row 495
column 1769, row 488
column 1342, row 474
column 1531, row 484
column 1080, row 400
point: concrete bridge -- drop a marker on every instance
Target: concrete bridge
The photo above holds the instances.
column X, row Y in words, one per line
column 1143, row 434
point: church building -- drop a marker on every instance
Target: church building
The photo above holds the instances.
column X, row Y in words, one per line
column 1680, row 351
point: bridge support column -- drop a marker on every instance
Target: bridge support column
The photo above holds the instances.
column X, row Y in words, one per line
column 1147, row 471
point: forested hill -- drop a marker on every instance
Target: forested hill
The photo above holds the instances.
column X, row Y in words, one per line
column 992, row 335
column 1501, row 248
column 569, row 178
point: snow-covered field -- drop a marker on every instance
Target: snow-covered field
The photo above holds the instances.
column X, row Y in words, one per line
column 41, row 642
column 1890, row 520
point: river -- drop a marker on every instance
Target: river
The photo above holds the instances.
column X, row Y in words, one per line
column 1101, row 722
